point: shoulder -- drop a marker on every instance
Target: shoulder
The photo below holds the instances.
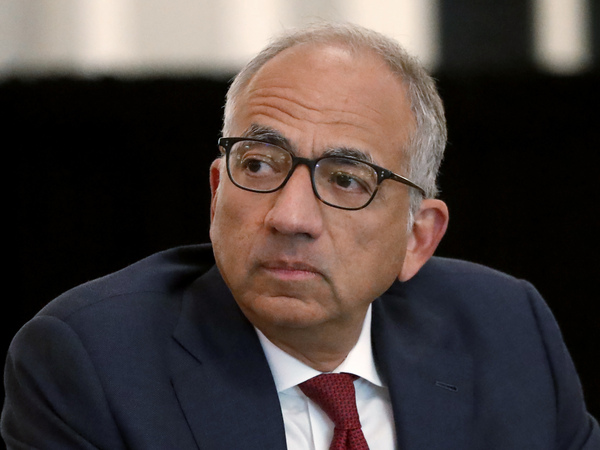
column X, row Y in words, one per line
column 465, row 279
column 101, row 351
column 440, row 266
column 463, row 305
column 122, row 320
column 166, row 273
column 501, row 334
column 140, row 303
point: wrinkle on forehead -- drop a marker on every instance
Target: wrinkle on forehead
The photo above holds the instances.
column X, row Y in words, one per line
column 349, row 96
column 273, row 136
column 287, row 102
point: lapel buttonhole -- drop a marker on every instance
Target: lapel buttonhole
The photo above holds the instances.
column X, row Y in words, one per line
column 446, row 386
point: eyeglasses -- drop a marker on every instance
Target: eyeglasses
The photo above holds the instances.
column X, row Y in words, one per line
column 340, row 181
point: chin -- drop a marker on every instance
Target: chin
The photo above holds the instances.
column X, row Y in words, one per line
column 281, row 311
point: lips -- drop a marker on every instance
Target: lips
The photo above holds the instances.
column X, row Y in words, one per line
column 291, row 266
column 294, row 269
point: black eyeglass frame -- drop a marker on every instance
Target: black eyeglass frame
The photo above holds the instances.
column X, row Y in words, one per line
column 382, row 174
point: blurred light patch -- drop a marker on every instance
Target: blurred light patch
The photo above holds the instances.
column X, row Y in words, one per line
column 107, row 34
column 170, row 37
column 562, row 39
column 414, row 23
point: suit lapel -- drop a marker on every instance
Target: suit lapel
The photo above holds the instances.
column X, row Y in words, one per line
column 226, row 391
column 430, row 383
column 220, row 374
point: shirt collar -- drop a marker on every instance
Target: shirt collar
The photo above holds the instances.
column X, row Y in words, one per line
column 288, row 371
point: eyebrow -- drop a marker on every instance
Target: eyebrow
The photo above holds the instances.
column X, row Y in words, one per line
column 349, row 152
column 272, row 136
column 269, row 135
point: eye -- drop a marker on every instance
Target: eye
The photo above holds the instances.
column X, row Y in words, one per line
column 253, row 165
column 349, row 182
column 258, row 161
column 258, row 164
column 346, row 176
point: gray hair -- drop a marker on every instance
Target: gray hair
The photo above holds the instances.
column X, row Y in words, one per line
column 427, row 142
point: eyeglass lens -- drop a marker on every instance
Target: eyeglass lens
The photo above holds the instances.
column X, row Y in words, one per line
column 340, row 181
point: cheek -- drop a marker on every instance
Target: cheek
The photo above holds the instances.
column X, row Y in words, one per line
column 378, row 247
column 234, row 227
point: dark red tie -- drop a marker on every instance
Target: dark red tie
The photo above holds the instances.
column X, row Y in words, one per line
column 334, row 393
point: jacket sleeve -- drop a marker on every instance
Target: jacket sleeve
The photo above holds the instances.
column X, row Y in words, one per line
column 54, row 398
column 575, row 428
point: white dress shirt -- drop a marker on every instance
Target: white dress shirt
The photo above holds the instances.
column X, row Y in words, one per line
column 307, row 427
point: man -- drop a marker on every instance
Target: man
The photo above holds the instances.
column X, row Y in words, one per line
column 324, row 222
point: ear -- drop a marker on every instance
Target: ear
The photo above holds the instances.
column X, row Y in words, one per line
column 215, row 179
column 429, row 227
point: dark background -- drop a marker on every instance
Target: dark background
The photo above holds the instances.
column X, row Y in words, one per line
column 106, row 171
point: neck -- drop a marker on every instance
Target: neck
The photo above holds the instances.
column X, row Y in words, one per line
column 323, row 348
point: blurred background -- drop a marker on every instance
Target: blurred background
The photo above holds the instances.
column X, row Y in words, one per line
column 111, row 110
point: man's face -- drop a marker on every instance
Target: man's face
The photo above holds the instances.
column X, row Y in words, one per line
column 290, row 260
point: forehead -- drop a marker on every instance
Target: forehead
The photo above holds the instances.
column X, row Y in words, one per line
column 319, row 95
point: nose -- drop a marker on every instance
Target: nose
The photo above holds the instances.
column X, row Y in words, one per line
column 296, row 210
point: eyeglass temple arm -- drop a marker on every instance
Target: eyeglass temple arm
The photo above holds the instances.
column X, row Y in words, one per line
column 407, row 182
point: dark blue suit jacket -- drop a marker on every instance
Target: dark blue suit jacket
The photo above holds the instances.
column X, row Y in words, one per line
column 159, row 356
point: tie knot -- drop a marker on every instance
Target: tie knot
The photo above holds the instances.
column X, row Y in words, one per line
column 334, row 393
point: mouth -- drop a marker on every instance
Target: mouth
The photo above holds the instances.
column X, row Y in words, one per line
column 287, row 270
